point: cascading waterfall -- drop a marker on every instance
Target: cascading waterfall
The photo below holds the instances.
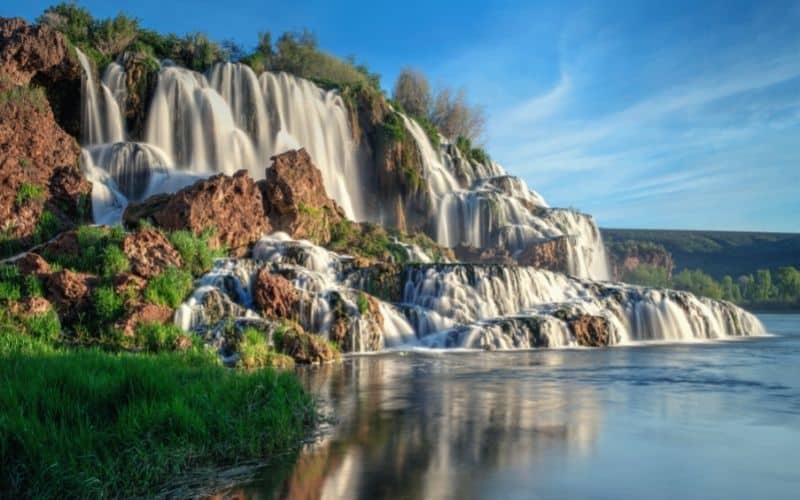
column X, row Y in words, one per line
column 461, row 305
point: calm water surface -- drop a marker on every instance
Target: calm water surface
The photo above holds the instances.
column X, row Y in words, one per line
column 717, row 420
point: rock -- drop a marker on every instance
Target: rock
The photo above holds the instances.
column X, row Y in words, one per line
column 127, row 283
column 590, row 331
column 275, row 295
column 295, row 199
column 150, row 252
column 27, row 50
column 30, row 306
column 494, row 255
column 143, row 313
column 551, row 255
column 232, row 206
column 69, row 291
column 354, row 330
column 32, row 263
column 65, row 244
column 628, row 255
column 305, row 348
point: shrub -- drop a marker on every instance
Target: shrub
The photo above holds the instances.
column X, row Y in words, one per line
column 100, row 251
column 44, row 327
column 363, row 303
column 47, row 227
column 413, row 92
column 254, row 352
column 169, row 288
column 107, row 306
column 476, row 154
column 454, row 116
column 114, row 261
column 28, row 192
column 195, row 251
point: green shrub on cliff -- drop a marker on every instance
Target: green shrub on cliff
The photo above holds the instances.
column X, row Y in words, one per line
column 169, row 288
column 197, row 255
column 28, row 192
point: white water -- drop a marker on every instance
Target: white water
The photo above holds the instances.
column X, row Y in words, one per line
column 231, row 119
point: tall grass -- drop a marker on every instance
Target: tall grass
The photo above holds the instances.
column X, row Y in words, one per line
column 90, row 424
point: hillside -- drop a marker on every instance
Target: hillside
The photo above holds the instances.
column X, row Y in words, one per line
column 718, row 252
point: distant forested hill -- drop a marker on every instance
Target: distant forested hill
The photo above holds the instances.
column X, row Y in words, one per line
column 719, row 252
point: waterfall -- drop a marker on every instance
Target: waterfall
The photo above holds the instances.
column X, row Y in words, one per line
column 101, row 120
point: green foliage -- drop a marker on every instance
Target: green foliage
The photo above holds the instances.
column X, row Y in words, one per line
column 363, row 303
column 393, row 129
column 24, row 162
column 157, row 337
column 789, row 283
column 697, row 282
column 476, row 154
column 107, row 305
column 169, row 288
column 47, row 227
column 10, row 288
column 254, row 352
column 647, row 275
column 45, row 327
column 28, row 192
column 195, row 251
column 100, row 252
column 89, row 424
column 31, row 95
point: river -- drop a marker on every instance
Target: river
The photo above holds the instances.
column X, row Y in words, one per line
column 704, row 420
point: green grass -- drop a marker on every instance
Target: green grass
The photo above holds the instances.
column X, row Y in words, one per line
column 28, row 192
column 169, row 288
column 89, row 424
column 195, row 251
column 157, row 337
column 255, row 352
column 25, row 96
column 100, row 252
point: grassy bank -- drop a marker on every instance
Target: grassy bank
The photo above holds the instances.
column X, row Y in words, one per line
column 89, row 424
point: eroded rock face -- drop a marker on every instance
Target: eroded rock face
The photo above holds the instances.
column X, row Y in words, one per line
column 295, row 199
column 232, row 206
column 69, row 291
column 305, row 348
column 628, row 255
column 26, row 50
column 551, row 255
column 150, row 252
column 274, row 295
column 590, row 331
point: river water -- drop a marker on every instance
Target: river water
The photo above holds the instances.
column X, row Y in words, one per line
column 707, row 420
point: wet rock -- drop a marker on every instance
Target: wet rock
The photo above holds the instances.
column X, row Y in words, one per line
column 274, row 295
column 590, row 331
column 150, row 252
column 295, row 199
column 494, row 255
column 551, row 255
column 305, row 348
column 231, row 205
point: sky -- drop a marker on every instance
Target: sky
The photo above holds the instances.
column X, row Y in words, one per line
column 647, row 114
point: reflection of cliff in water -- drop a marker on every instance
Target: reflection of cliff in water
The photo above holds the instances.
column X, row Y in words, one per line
column 433, row 426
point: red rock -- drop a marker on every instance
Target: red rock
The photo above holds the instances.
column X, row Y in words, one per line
column 231, row 205
column 30, row 306
column 26, row 50
column 306, row 348
column 31, row 263
column 551, row 254
column 69, row 291
column 591, row 331
column 150, row 252
column 125, row 283
column 143, row 313
column 274, row 295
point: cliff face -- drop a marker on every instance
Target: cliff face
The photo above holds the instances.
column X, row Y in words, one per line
column 42, row 189
column 628, row 255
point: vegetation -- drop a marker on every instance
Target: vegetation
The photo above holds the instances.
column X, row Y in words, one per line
column 476, row 154
column 375, row 242
column 196, row 251
column 255, row 352
column 754, row 290
column 169, row 288
column 31, row 95
column 158, row 337
column 92, row 424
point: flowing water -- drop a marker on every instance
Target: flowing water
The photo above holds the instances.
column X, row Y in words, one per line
column 711, row 420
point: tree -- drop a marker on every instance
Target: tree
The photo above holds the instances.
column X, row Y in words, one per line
column 730, row 290
column 762, row 290
column 747, row 286
column 698, row 282
column 454, row 116
column 789, row 283
column 413, row 92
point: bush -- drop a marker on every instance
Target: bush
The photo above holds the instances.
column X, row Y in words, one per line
column 455, row 117
column 413, row 92
column 254, row 352
column 156, row 337
column 476, row 154
column 28, row 192
column 169, row 288
column 10, row 288
column 114, row 261
column 100, row 251
column 47, row 227
column 107, row 306
column 45, row 327
column 195, row 251
column 647, row 275
column 363, row 303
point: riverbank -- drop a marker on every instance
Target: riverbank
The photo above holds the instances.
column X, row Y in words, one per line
column 90, row 424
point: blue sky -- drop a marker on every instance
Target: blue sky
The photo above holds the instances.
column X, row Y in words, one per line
column 644, row 114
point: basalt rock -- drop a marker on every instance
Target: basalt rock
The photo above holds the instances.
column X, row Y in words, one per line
column 230, row 205
column 274, row 295
column 150, row 252
column 295, row 199
column 590, row 331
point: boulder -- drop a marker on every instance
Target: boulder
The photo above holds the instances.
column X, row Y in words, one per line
column 127, row 283
column 590, row 331
column 295, row 199
column 30, row 306
column 27, row 50
column 143, row 313
column 32, row 263
column 274, row 295
column 150, row 252
column 231, row 205
column 69, row 291
column 305, row 348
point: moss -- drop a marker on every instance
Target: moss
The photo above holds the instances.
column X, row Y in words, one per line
column 28, row 193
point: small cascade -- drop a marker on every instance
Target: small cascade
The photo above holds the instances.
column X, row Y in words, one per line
column 101, row 120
